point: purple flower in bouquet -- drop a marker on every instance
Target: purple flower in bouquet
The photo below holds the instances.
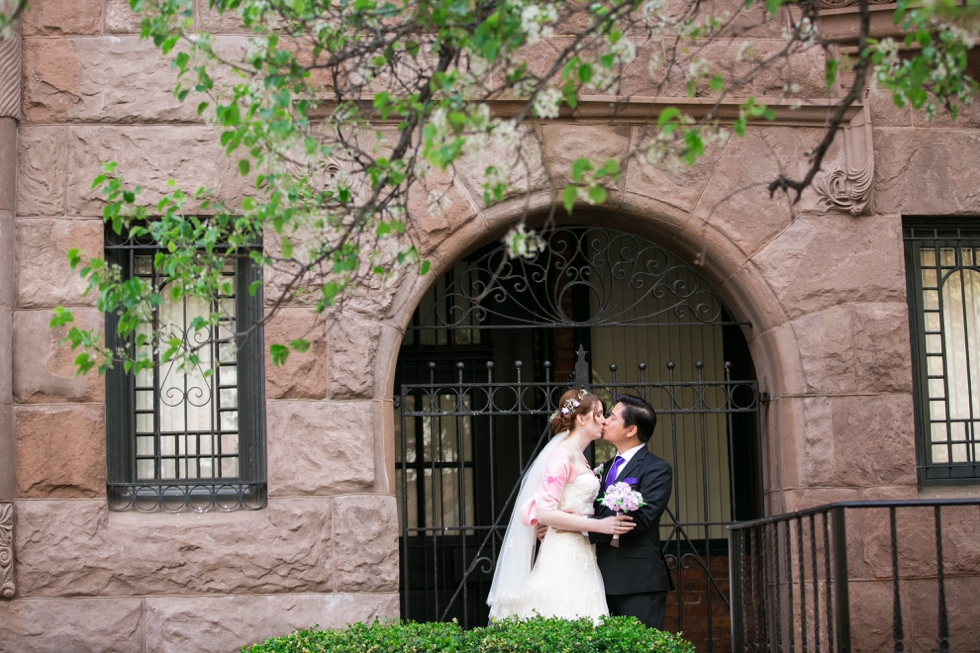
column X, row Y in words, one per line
column 622, row 499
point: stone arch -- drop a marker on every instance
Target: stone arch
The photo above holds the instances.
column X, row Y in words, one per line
column 734, row 275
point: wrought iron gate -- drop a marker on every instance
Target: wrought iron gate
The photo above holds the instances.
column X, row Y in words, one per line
column 466, row 431
column 462, row 447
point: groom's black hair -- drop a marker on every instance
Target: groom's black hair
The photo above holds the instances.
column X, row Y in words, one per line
column 639, row 413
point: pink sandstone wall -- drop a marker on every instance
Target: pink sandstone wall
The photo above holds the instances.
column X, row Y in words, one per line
column 825, row 293
column 323, row 552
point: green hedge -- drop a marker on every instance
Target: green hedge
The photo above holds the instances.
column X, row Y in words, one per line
column 538, row 635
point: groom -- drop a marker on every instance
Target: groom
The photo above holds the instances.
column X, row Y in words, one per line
column 635, row 574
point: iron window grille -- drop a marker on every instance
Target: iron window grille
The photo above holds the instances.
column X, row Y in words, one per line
column 943, row 271
column 187, row 439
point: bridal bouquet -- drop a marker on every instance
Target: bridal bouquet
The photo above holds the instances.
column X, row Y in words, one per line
column 622, row 499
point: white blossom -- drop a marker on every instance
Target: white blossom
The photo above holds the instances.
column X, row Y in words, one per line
column 524, row 244
column 697, row 69
column 745, row 52
column 546, row 103
column 437, row 203
column 623, row 50
column 652, row 7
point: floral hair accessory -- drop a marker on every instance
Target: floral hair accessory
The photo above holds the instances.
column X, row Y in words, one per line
column 570, row 404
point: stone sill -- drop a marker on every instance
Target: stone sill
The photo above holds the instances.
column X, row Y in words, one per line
column 950, row 491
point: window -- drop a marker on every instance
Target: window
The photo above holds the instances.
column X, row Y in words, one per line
column 943, row 264
column 187, row 439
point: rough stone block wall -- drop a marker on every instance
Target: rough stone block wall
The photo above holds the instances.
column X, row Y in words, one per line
column 324, row 551
column 824, row 293
column 10, row 53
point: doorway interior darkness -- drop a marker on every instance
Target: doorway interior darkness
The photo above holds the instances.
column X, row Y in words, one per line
column 491, row 347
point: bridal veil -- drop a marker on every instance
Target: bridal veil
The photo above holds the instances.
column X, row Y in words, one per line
column 517, row 552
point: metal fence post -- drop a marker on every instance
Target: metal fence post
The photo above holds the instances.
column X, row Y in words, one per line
column 841, row 599
column 736, row 590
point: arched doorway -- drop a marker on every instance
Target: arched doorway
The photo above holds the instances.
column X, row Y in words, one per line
column 493, row 344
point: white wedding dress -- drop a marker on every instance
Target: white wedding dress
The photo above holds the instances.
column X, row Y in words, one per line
column 565, row 580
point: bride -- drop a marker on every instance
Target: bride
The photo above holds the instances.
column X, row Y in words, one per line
column 558, row 490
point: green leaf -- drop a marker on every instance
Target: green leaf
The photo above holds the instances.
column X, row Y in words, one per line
column 609, row 169
column 693, row 147
column 279, row 354
column 424, row 268
column 61, row 317
column 287, row 247
column 597, row 194
column 774, row 5
column 830, row 74
column 668, row 114
column 83, row 364
column 244, row 166
column 717, row 82
column 74, row 257
column 579, row 167
column 568, row 197
column 300, row 345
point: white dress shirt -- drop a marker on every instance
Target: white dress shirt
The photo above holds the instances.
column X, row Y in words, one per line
column 627, row 456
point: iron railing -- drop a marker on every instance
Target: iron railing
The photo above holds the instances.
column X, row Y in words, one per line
column 799, row 581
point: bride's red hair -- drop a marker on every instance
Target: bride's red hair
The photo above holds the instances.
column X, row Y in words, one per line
column 564, row 421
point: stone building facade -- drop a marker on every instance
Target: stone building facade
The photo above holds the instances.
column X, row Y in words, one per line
column 822, row 288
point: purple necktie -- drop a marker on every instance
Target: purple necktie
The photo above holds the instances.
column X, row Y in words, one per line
column 611, row 478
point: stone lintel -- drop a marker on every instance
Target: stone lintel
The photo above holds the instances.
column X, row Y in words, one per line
column 611, row 109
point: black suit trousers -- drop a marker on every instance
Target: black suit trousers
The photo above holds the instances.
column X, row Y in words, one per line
column 648, row 607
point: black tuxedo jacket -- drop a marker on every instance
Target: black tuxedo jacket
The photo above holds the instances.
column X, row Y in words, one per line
column 638, row 564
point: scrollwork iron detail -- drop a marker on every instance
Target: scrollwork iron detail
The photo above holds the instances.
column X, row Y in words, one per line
column 7, row 586
column 629, row 281
column 190, row 496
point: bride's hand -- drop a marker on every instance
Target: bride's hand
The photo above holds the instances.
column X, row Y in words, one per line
column 616, row 525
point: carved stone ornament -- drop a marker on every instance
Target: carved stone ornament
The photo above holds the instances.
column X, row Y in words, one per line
column 848, row 182
column 7, row 588
column 10, row 60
